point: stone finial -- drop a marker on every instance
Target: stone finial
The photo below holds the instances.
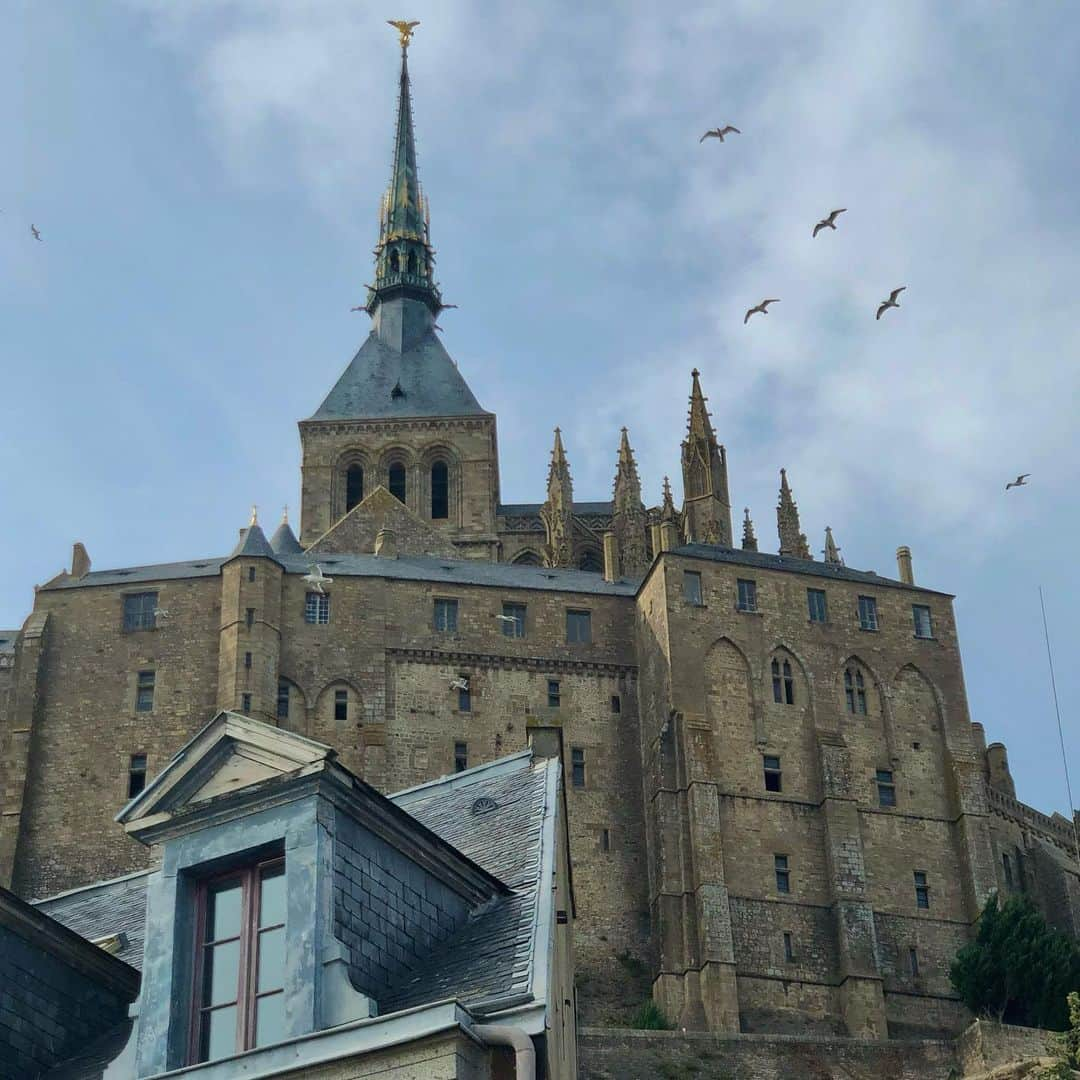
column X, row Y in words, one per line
column 831, row 551
column 749, row 540
column 80, row 561
column 792, row 539
column 667, row 504
column 254, row 516
column 285, row 514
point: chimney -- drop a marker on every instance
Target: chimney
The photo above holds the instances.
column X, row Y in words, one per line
column 386, row 544
column 611, row 557
column 654, row 535
column 669, row 535
column 903, row 564
column 80, row 561
column 997, row 759
column 545, row 738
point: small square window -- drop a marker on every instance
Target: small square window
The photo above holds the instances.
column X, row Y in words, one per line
column 513, row 620
column 772, row 774
column 317, row 608
column 341, row 705
column 245, row 704
column 789, row 951
column 136, row 774
column 554, row 694
column 867, row 613
column 616, row 703
column 691, row 587
column 815, row 601
column 251, row 573
column 924, row 628
column 579, row 627
column 283, row 700
column 144, row 692
column 461, row 756
column 446, row 613
column 747, row 595
column 886, row 788
column 577, row 765
column 922, row 890
column 783, row 873
column 139, row 611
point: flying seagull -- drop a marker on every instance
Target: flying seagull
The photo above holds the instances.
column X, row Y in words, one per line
column 830, row 221
column 763, row 307
column 459, row 684
column 507, row 618
column 444, row 307
column 891, row 302
column 317, row 579
column 719, row 133
column 34, row 230
column 1020, row 481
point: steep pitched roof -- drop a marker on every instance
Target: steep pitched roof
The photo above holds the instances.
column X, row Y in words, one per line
column 252, row 542
column 284, row 541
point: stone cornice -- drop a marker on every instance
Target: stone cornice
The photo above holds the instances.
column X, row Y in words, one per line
column 333, row 428
column 503, row 660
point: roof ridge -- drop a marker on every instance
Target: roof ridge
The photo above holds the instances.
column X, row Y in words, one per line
column 87, row 888
column 498, row 767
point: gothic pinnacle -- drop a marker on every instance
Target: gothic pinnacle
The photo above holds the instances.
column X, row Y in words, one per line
column 831, row 552
column 792, row 539
column 667, row 504
column 749, row 540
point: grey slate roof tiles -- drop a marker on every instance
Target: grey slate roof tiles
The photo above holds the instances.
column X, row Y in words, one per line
column 284, row 541
column 252, row 542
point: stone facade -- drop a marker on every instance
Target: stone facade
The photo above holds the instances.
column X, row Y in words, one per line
column 731, row 719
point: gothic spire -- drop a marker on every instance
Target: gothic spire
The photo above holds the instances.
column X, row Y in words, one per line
column 404, row 258
column 792, row 540
column 627, row 483
column 832, row 552
column 667, row 506
column 749, row 540
column 557, row 513
column 698, row 424
column 706, row 506
column 628, row 514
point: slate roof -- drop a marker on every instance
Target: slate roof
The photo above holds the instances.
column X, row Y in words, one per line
column 109, row 907
column 252, row 542
column 429, row 380
column 507, row 509
column 95, row 1059
column 284, row 541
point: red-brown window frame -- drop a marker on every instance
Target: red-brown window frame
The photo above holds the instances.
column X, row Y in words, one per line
column 250, row 877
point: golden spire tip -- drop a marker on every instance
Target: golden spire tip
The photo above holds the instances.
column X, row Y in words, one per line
column 404, row 29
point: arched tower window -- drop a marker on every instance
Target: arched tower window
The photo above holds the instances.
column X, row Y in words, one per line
column 354, row 486
column 783, row 683
column 440, row 490
column 412, row 262
column 397, row 481
column 395, row 262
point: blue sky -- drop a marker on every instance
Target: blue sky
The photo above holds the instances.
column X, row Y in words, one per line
column 206, row 175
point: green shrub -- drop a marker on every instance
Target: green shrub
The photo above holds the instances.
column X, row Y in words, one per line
column 650, row 1018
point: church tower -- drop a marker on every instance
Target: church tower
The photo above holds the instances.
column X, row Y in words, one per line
column 706, row 505
column 401, row 416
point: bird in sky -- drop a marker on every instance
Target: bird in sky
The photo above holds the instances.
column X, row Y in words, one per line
column 718, row 133
column 830, row 221
column 1020, row 481
column 763, row 307
column 317, row 579
column 358, row 308
column 891, row 302
column 34, row 230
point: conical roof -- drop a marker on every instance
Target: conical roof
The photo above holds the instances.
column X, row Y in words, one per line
column 284, row 540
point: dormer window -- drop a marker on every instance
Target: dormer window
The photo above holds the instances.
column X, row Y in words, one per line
column 240, row 966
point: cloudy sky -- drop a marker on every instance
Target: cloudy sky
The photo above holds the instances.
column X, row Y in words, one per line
column 206, row 174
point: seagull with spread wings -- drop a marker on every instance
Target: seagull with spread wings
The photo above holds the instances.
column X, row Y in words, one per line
column 1020, row 481
column 891, row 302
column 830, row 221
column 763, row 308
column 719, row 133
column 34, row 230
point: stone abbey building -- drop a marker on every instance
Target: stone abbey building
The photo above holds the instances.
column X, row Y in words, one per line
column 781, row 814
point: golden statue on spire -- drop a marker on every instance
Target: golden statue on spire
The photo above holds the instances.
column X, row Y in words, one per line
column 404, row 29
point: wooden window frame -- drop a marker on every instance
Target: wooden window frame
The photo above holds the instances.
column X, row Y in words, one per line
column 746, row 595
column 250, row 876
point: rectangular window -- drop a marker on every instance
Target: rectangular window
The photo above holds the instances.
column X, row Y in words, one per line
column 577, row 766
column 513, row 620
column 251, row 573
column 446, row 616
column 783, row 874
column 691, row 587
column 579, row 627
column 316, row 608
column 747, row 595
column 461, row 756
column 922, row 890
column 789, row 952
column 144, row 692
column 283, row 700
column 924, row 628
column 616, row 703
column 247, row 659
column 913, row 961
column 136, row 774
column 341, row 705
column 867, row 613
column 139, row 611
column 240, row 966
column 815, row 601
column 605, row 840
column 886, row 789
column 464, row 695
column 245, row 704
column 249, row 617
column 554, row 694
column 855, row 691
column 1007, row 863
column 772, row 774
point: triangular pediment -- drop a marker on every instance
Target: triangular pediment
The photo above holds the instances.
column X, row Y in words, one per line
column 355, row 533
column 231, row 753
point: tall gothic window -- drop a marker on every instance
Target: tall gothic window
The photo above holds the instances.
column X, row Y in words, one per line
column 397, row 481
column 855, row 691
column 354, row 486
column 783, row 683
column 440, row 490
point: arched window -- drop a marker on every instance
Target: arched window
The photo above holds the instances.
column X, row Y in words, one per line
column 412, row 262
column 440, row 490
column 394, row 261
column 590, row 560
column 783, row 683
column 855, row 691
column 397, row 481
column 354, row 486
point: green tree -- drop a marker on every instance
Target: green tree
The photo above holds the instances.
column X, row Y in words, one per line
column 1017, row 969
